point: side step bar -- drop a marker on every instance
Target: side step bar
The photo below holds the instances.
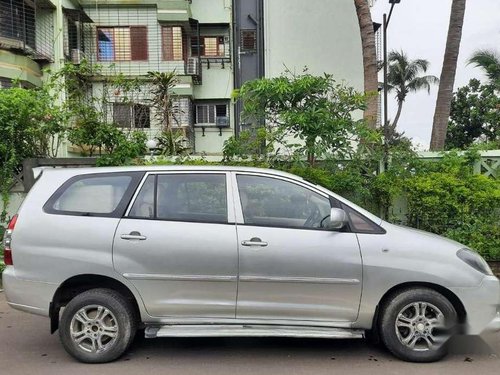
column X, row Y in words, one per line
column 238, row 330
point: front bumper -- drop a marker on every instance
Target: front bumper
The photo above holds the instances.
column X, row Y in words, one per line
column 482, row 306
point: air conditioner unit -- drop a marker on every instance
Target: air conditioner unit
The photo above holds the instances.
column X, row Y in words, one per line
column 77, row 56
column 222, row 122
column 193, row 66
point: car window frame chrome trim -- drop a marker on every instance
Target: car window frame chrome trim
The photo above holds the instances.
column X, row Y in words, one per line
column 334, row 202
column 229, row 200
column 136, row 179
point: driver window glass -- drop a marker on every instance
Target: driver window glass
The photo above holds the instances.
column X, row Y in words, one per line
column 268, row 201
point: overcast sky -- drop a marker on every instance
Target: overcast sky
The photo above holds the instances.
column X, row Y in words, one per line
column 420, row 28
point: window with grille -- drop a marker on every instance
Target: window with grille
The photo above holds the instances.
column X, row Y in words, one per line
column 248, row 41
column 211, row 114
column 5, row 83
column 17, row 22
column 122, row 43
column 127, row 115
column 209, row 46
column 71, row 36
column 172, row 45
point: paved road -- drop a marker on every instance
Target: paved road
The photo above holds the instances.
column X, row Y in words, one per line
column 26, row 347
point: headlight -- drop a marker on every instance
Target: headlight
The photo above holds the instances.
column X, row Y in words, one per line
column 474, row 260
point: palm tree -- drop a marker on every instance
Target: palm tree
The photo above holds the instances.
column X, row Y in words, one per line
column 404, row 77
column 489, row 61
column 448, row 73
column 369, row 60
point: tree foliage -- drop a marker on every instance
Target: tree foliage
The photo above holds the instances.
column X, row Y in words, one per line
column 311, row 116
column 404, row 77
column 31, row 126
column 489, row 62
column 475, row 116
column 34, row 122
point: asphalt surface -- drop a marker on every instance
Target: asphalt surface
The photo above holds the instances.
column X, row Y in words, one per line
column 27, row 347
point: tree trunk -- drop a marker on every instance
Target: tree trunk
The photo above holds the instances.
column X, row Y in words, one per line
column 369, row 61
column 445, row 94
column 398, row 115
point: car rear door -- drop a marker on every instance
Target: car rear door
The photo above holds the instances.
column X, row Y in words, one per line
column 290, row 267
column 177, row 245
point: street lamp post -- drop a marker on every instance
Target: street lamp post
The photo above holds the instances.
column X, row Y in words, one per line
column 386, row 21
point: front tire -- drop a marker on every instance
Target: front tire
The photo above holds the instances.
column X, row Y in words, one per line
column 416, row 324
column 97, row 326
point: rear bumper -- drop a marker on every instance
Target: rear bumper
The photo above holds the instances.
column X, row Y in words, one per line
column 482, row 306
column 29, row 296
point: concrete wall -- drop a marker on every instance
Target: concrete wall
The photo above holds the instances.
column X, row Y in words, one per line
column 211, row 11
column 323, row 35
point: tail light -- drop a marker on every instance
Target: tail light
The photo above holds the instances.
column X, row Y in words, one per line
column 7, row 239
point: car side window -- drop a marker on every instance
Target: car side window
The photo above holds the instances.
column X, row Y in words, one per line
column 193, row 197
column 268, row 201
column 359, row 223
column 94, row 195
column 143, row 206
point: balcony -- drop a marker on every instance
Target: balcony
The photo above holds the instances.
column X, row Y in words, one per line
column 26, row 28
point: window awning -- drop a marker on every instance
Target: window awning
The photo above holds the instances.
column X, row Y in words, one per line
column 77, row 15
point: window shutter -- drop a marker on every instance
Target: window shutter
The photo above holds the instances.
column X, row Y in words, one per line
column 195, row 43
column 167, row 43
column 139, row 42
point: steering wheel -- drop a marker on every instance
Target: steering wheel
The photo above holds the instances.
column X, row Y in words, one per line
column 322, row 222
column 313, row 218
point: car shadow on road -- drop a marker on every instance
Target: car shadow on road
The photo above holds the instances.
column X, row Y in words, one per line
column 257, row 347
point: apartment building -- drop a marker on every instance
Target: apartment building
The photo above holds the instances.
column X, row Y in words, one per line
column 213, row 46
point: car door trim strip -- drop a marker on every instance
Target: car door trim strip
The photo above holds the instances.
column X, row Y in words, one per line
column 311, row 280
column 149, row 276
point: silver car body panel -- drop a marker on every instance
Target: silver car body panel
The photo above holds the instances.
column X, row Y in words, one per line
column 338, row 287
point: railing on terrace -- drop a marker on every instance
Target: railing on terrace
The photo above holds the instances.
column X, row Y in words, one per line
column 133, row 42
column 488, row 164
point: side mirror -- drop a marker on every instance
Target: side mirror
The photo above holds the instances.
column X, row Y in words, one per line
column 338, row 218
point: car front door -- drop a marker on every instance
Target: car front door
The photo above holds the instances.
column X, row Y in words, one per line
column 292, row 268
column 177, row 245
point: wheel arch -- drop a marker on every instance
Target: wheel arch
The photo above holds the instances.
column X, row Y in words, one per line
column 75, row 285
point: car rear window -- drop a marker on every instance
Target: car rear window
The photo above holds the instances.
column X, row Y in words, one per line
column 94, row 195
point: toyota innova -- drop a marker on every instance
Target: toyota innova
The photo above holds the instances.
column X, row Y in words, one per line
column 232, row 251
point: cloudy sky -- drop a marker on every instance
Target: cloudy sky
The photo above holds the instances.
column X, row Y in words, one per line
column 420, row 27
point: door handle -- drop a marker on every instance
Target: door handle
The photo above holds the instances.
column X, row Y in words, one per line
column 255, row 241
column 133, row 236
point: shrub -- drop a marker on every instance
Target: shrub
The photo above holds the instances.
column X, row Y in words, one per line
column 446, row 198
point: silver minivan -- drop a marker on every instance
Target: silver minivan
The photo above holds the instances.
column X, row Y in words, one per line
column 233, row 251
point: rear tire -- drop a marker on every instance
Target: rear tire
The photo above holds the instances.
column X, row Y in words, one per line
column 97, row 326
column 415, row 324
